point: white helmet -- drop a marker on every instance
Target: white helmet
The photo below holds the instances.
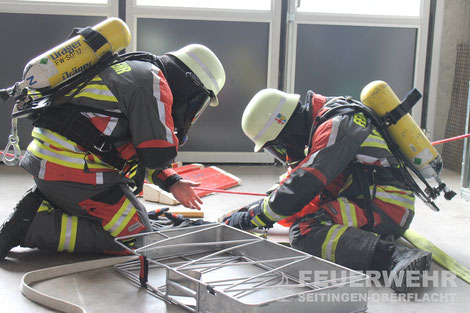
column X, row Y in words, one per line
column 266, row 115
column 205, row 65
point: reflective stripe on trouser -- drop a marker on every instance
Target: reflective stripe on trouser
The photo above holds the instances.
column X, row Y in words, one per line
column 117, row 211
column 345, row 212
column 347, row 246
column 331, row 231
column 85, row 218
column 393, row 211
column 53, row 229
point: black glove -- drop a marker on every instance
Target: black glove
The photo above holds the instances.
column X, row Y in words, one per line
column 243, row 217
column 155, row 214
column 240, row 220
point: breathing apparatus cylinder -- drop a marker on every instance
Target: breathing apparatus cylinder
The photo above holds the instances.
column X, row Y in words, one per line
column 74, row 56
column 411, row 141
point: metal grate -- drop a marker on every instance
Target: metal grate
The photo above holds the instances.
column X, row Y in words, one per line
column 216, row 268
column 452, row 152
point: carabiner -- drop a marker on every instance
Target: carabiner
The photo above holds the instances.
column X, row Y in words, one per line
column 12, row 144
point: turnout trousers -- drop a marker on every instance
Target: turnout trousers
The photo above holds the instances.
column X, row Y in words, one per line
column 83, row 218
column 337, row 230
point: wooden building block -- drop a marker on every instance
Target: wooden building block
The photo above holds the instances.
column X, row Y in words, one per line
column 156, row 194
column 189, row 214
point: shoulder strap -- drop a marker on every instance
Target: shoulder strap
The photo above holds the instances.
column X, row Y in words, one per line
column 345, row 108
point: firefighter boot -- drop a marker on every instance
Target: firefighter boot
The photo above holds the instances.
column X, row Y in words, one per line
column 404, row 263
column 14, row 229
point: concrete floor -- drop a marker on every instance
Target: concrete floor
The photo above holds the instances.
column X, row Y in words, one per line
column 106, row 291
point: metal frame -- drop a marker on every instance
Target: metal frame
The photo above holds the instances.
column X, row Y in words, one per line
column 421, row 24
column 217, row 268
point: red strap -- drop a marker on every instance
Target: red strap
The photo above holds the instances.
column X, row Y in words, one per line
column 144, row 270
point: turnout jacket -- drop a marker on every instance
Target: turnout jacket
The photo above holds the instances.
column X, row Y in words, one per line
column 143, row 132
column 337, row 146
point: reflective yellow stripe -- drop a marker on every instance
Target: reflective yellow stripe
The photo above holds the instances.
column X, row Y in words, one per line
column 374, row 144
column 348, row 212
column 95, row 79
column 96, row 96
column 270, row 213
column 376, row 136
column 389, row 188
column 69, row 154
column 124, row 223
column 149, row 175
column 257, row 222
column 344, row 215
column 395, row 201
column 68, row 233
column 374, row 141
column 54, row 139
column 117, row 215
column 40, row 151
column 45, row 207
column 63, row 232
column 393, row 195
column 328, row 248
column 97, row 92
column 96, row 86
column 73, row 237
column 64, row 158
column 353, row 215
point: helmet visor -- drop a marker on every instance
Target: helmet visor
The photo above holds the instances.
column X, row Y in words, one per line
column 279, row 151
column 202, row 100
column 284, row 152
column 198, row 105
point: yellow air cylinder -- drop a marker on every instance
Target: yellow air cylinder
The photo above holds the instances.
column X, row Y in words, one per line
column 74, row 56
column 411, row 141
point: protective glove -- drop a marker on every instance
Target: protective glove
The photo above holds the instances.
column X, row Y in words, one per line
column 243, row 217
column 155, row 214
column 240, row 220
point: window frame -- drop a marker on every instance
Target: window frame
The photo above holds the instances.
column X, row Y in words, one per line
column 272, row 17
column 365, row 14
column 419, row 23
column 204, row 8
column 110, row 9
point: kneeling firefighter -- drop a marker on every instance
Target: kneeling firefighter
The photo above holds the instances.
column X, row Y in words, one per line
column 132, row 114
column 345, row 197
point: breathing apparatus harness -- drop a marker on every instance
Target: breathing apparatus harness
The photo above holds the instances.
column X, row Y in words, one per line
column 350, row 106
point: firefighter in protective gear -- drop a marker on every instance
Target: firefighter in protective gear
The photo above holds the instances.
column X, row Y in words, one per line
column 343, row 196
column 81, row 202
